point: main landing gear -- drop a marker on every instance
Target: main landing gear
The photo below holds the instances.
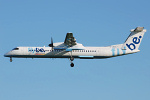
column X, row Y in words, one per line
column 72, row 64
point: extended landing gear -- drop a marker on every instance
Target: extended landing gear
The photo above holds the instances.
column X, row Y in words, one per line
column 71, row 58
column 72, row 64
column 10, row 59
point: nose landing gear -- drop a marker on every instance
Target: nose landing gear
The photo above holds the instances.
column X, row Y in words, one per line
column 10, row 59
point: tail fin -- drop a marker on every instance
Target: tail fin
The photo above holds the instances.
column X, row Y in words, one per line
column 134, row 39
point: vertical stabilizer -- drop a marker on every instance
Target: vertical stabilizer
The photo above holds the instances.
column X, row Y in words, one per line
column 134, row 39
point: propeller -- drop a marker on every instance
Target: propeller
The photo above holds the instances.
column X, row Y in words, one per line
column 51, row 45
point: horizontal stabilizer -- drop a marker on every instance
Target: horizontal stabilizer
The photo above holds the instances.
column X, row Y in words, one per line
column 139, row 29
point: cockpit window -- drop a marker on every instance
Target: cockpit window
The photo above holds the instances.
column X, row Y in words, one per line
column 16, row 49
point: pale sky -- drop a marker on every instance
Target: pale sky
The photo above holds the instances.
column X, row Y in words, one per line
column 93, row 23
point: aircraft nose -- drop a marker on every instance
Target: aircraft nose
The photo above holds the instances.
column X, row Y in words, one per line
column 8, row 54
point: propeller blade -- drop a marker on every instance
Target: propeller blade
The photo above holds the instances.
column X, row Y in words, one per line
column 51, row 40
column 51, row 45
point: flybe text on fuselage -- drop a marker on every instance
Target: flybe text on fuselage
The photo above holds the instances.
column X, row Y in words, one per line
column 33, row 50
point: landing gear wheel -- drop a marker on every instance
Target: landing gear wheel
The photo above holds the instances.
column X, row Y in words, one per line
column 72, row 64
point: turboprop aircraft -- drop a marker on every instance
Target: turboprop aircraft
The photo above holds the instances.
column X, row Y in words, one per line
column 71, row 49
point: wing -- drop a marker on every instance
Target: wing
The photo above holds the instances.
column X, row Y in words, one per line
column 70, row 41
column 69, row 44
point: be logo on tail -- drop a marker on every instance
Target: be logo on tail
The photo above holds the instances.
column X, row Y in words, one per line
column 136, row 40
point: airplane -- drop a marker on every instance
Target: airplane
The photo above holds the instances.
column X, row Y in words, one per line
column 71, row 49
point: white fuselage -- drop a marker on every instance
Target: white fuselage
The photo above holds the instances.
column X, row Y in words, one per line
column 71, row 49
column 86, row 53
